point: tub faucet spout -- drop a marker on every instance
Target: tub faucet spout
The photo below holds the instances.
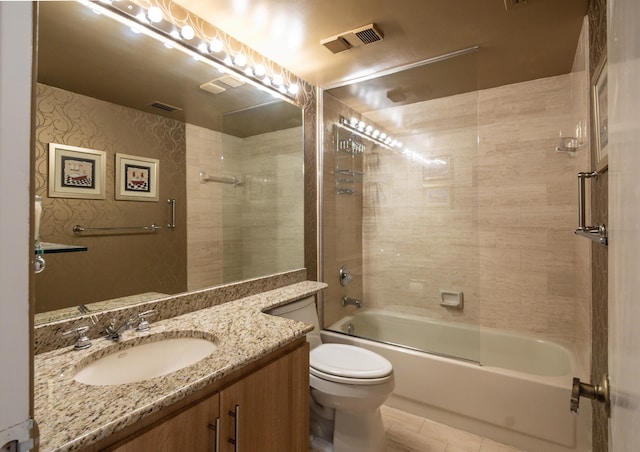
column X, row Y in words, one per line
column 347, row 300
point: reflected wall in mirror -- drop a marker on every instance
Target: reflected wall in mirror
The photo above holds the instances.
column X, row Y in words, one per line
column 101, row 86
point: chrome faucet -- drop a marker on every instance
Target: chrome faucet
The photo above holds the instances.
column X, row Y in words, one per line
column 113, row 333
column 347, row 300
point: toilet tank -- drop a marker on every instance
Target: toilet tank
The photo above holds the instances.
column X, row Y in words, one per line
column 303, row 310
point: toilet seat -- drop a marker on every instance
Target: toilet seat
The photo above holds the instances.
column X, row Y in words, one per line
column 349, row 364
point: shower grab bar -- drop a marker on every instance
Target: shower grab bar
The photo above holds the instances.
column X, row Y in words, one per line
column 77, row 229
column 232, row 180
column 172, row 225
column 595, row 233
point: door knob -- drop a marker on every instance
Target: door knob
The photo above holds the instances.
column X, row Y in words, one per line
column 595, row 392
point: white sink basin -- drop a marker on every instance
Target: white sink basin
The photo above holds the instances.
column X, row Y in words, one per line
column 145, row 361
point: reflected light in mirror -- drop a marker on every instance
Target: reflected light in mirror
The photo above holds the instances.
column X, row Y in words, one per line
column 154, row 25
column 260, row 184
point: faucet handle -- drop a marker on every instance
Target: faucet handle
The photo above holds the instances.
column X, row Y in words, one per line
column 144, row 324
column 82, row 341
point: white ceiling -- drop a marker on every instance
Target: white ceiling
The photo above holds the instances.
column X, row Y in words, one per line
column 529, row 41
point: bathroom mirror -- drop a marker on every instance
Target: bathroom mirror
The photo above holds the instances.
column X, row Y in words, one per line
column 229, row 154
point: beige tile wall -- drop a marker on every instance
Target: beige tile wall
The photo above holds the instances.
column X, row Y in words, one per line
column 253, row 229
column 498, row 226
column 204, row 209
column 273, row 217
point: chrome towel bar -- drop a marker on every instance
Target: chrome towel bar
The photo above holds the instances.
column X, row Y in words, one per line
column 77, row 229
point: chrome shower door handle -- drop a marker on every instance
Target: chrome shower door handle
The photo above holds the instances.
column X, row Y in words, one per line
column 582, row 177
column 595, row 233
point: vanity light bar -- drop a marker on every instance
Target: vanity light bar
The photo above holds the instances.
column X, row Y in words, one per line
column 370, row 132
column 152, row 23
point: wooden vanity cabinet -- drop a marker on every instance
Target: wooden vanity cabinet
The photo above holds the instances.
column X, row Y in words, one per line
column 265, row 409
column 269, row 409
column 187, row 431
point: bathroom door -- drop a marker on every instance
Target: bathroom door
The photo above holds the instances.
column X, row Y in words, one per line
column 624, row 217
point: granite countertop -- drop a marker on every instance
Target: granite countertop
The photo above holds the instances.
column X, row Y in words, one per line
column 72, row 415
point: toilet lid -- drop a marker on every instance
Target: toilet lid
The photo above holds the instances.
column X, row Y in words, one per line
column 349, row 361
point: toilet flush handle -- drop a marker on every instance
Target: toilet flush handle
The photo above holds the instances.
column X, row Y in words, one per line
column 595, row 392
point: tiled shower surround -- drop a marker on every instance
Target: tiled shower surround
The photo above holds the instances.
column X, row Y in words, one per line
column 253, row 228
column 496, row 224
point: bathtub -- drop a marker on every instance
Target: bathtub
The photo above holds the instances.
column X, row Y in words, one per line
column 518, row 395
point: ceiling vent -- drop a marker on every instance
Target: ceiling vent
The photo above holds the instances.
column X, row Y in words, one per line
column 220, row 84
column 165, row 107
column 367, row 34
column 212, row 87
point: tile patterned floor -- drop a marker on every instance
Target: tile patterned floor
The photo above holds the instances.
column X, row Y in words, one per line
column 409, row 433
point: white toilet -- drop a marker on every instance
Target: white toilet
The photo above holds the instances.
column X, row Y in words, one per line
column 348, row 385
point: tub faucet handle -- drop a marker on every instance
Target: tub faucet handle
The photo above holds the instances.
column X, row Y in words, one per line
column 595, row 392
column 345, row 276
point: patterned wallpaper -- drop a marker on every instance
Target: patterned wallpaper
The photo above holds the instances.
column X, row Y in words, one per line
column 147, row 262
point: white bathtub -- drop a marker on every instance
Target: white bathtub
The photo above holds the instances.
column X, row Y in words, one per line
column 519, row 394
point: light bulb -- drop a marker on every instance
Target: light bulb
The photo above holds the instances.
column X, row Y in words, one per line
column 203, row 48
column 175, row 34
column 240, row 60
column 154, row 14
column 383, row 136
column 216, row 46
column 294, row 88
column 260, row 70
column 142, row 18
column 248, row 71
column 228, row 61
column 266, row 81
column 354, row 121
column 278, row 80
column 187, row 32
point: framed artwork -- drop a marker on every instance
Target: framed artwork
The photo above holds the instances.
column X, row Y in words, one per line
column 136, row 178
column 76, row 172
column 600, row 115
